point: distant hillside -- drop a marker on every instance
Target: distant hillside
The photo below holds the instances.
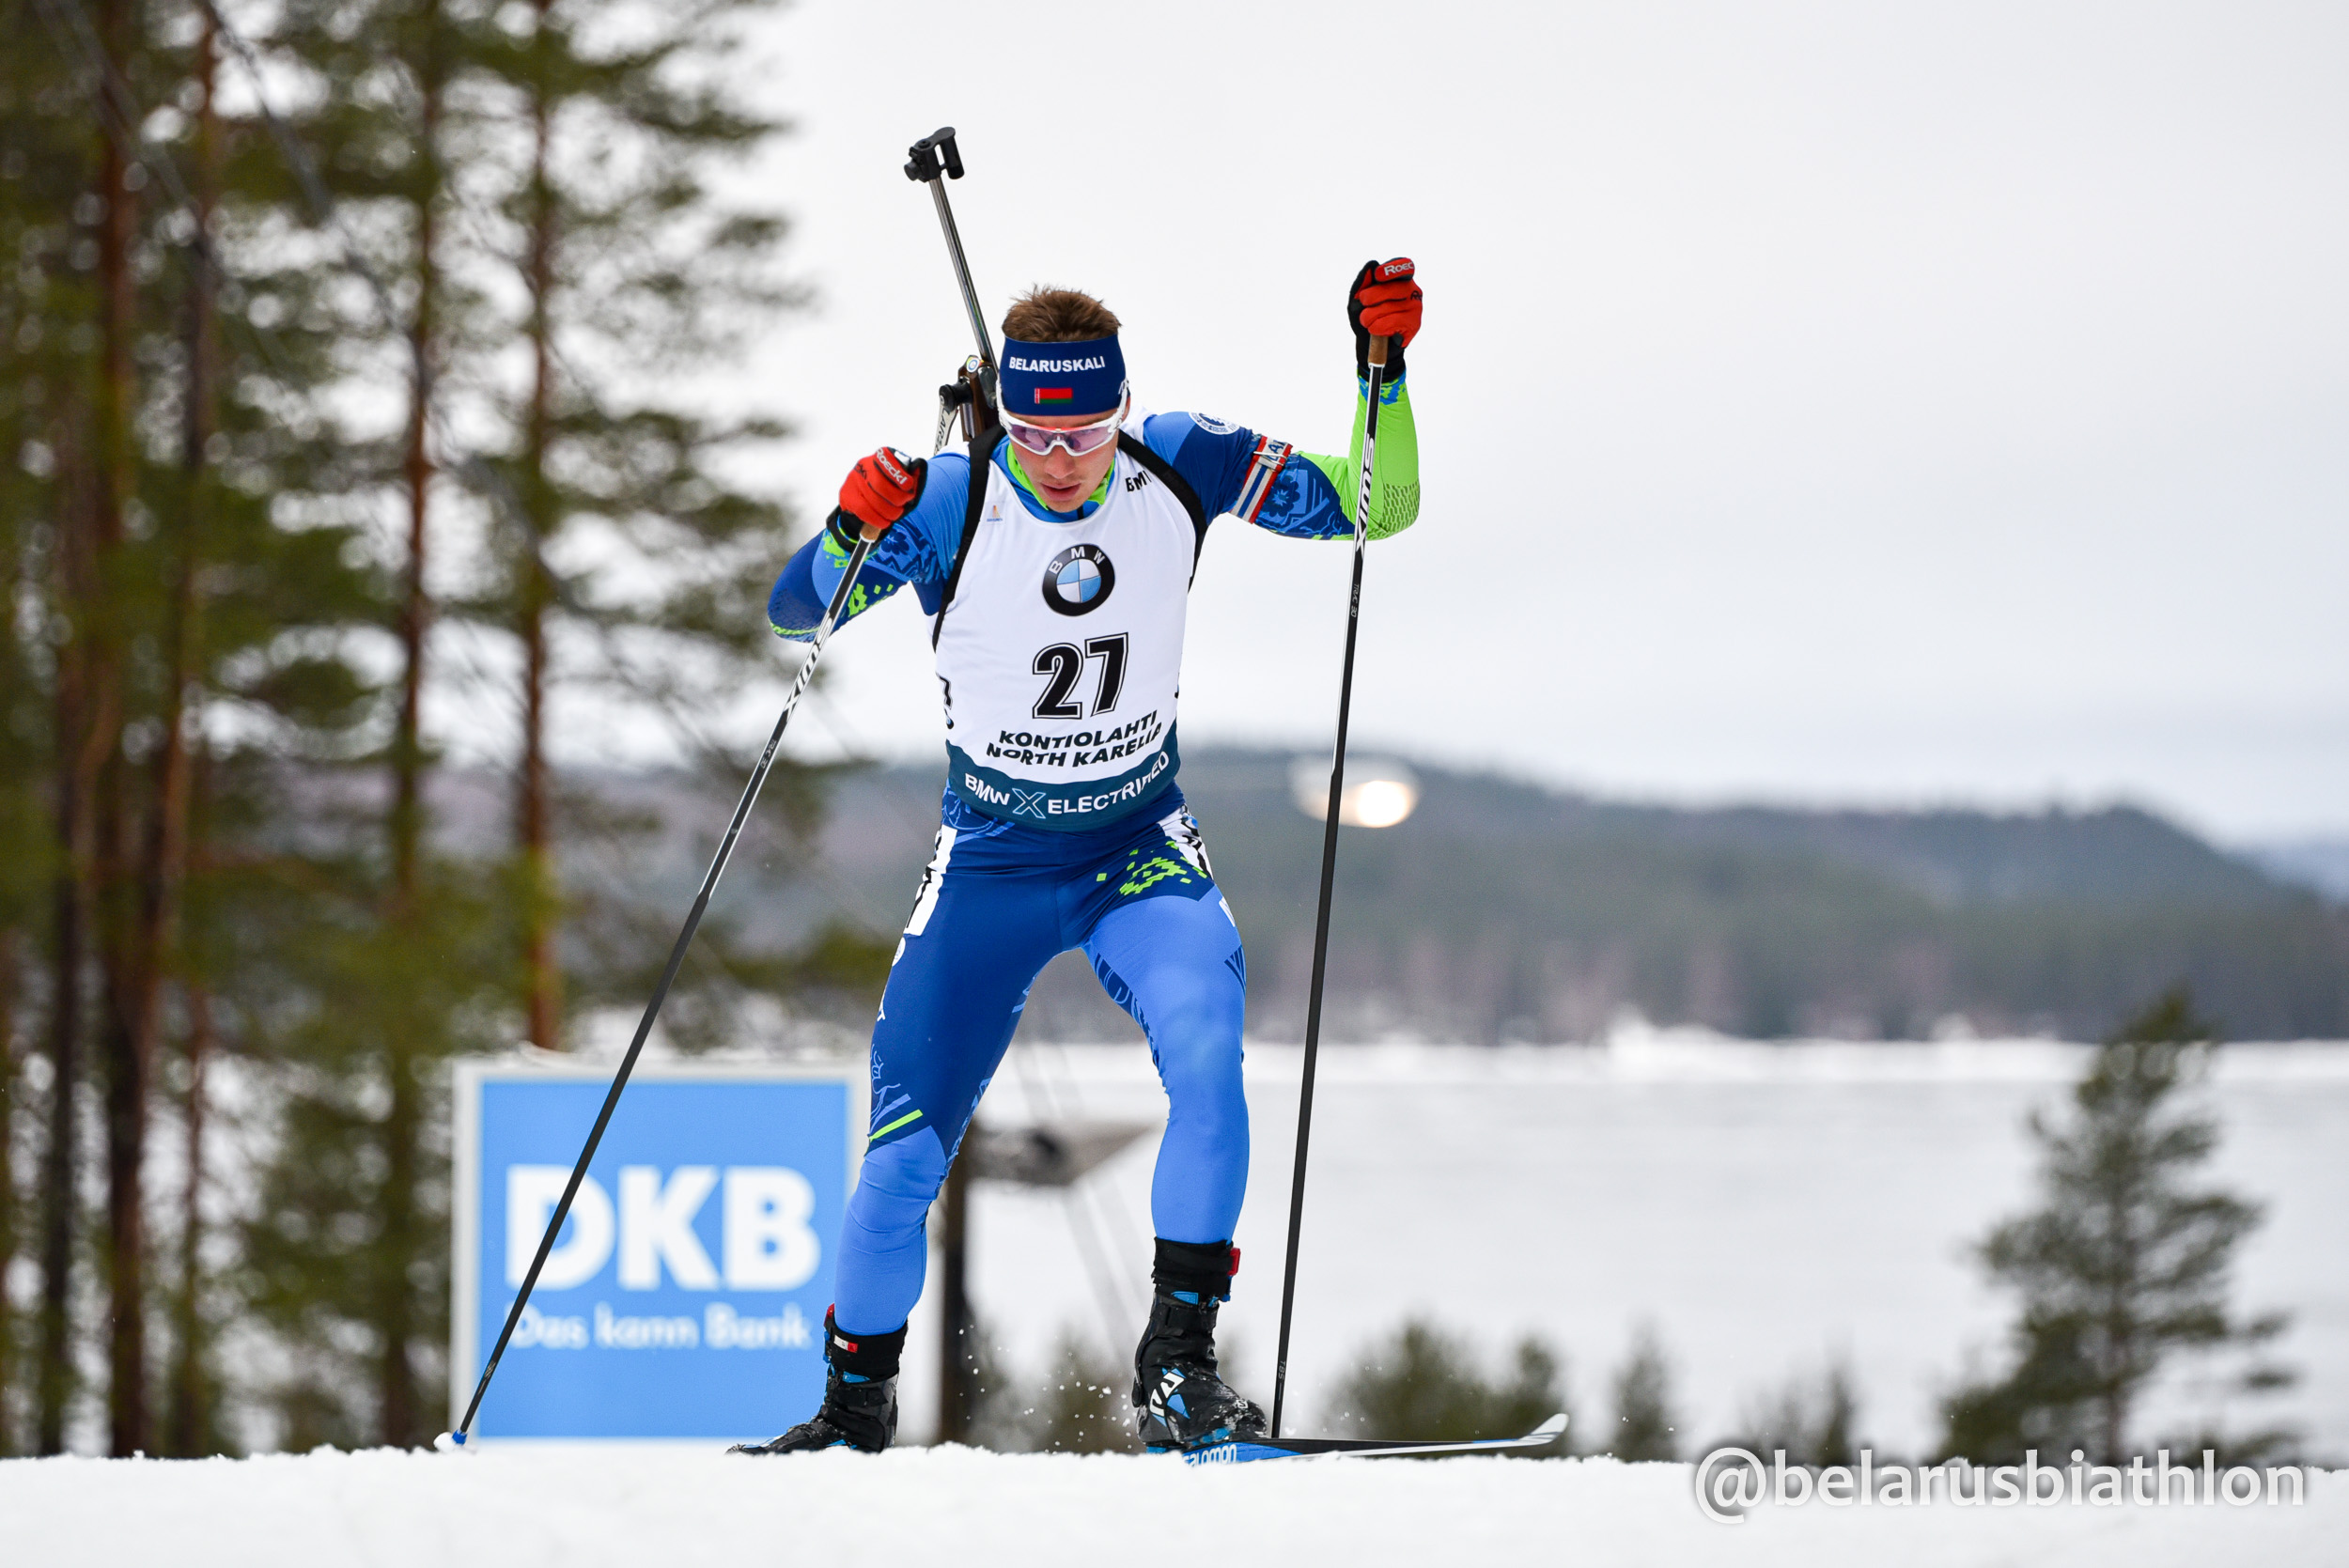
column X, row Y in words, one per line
column 2321, row 863
column 1503, row 910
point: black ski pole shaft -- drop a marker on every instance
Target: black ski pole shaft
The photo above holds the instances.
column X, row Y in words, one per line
column 1377, row 357
column 669, row 972
column 933, row 160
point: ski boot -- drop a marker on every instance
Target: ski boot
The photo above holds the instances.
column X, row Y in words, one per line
column 860, row 1408
column 1181, row 1404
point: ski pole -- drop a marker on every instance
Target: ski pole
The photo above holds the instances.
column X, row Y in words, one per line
column 448, row 1440
column 1378, row 358
column 925, row 161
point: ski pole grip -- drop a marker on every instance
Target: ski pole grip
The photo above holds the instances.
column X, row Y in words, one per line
column 870, row 533
column 1379, row 350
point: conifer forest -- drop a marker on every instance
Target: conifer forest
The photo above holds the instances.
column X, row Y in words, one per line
column 335, row 345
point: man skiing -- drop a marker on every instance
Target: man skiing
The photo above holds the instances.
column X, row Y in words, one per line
column 1057, row 575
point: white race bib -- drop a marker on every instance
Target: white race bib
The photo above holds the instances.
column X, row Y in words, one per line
column 1062, row 650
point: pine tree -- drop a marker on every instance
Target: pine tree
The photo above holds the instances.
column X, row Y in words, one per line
column 173, row 514
column 52, row 215
column 1427, row 1382
column 199, row 863
column 630, row 569
column 345, row 1259
column 1645, row 1427
column 90, row 275
column 2124, row 1266
column 31, row 234
column 462, row 140
column 1811, row 1418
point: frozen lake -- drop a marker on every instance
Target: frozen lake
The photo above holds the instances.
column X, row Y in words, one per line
column 1765, row 1207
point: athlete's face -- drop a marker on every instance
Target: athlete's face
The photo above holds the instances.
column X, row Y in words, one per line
column 1061, row 479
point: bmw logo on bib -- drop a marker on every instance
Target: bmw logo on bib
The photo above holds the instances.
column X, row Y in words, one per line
column 1079, row 580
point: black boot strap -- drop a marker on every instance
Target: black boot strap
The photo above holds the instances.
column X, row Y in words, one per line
column 1204, row 1268
column 871, row 1356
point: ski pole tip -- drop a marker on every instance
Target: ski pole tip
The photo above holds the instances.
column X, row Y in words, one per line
column 448, row 1442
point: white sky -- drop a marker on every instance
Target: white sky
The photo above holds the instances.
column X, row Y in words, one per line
column 1827, row 402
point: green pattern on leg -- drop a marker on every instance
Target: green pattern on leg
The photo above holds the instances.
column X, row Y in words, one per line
column 908, row 1116
column 1142, row 875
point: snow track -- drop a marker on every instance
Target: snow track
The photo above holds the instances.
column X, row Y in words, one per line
column 639, row 1506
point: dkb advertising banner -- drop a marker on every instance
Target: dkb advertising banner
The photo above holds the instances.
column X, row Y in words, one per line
column 685, row 1294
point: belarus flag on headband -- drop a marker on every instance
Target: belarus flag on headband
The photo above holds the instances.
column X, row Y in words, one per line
column 1055, row 394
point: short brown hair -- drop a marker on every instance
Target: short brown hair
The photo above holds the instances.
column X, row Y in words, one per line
column 1044, row 315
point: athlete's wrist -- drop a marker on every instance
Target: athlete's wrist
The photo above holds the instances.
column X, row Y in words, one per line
column 843, row 531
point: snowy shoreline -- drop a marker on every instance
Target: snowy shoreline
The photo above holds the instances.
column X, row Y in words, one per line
column 1770, row 1207
column 1699, row 1056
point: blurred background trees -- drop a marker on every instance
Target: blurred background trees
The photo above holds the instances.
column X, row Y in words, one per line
column 1506, row 910
column 340, row 353
column 1428, row 1383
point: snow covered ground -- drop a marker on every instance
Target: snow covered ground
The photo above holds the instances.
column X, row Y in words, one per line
column 636, row 1506
column 1767, row 1207
column 1764, row 1205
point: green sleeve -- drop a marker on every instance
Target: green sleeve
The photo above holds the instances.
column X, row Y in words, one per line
column 1394, row 474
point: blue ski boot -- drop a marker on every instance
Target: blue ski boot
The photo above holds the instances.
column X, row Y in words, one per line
column 860, row 1408
column 1180, row 1402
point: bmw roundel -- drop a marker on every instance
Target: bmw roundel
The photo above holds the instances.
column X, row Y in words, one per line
column 1079, row 580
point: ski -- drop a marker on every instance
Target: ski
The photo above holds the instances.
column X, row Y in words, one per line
column 1247, row 1450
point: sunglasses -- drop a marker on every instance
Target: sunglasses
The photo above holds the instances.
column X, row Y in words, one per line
column 1039, row 440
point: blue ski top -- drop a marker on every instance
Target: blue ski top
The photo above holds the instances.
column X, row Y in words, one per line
column 1304, row 496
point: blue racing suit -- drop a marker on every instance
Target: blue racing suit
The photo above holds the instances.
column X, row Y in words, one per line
column 1000, row 898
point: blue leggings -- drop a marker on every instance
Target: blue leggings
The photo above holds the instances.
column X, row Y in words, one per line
column 997, row 904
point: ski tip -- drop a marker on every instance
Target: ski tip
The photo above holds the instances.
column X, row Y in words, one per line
column 448, row 1442
column 1552, row 1429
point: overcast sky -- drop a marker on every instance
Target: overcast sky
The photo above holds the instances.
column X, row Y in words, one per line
column 1829, row 402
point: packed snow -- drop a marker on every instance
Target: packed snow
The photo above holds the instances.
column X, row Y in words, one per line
column 632, row 1506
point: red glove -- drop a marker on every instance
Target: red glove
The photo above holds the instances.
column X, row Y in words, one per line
column 1383, row 302
column 882, row 487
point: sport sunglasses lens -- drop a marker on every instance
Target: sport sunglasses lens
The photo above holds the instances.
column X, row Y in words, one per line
column 1039, row 440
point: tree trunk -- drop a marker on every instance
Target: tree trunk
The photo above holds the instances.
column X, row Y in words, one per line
column 52, row 1354
column 128, row 1038
column 94, row 437
column 396, row 1379
column 11, row 954
column 957, row 1344
column 415, row 612
column 542, row 977
column 188, row 1430
column 167, row 841
column 402, row 1138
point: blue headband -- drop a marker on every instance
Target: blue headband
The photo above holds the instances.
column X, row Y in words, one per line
column 1062, row 378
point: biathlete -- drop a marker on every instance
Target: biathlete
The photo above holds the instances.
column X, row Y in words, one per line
column 1057, row 573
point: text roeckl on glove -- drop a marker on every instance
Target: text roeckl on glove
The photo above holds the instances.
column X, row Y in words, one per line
column 1384, row 302
column 882, row 487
